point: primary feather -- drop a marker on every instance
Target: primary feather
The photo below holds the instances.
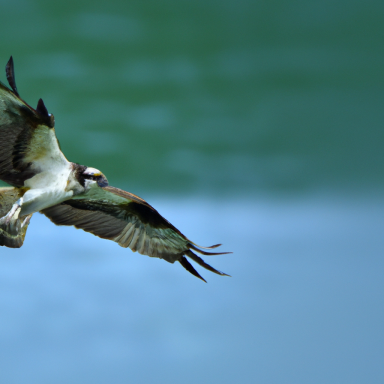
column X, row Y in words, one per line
column 123, row 217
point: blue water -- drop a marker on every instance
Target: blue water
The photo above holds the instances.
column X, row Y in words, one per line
column 304, row 303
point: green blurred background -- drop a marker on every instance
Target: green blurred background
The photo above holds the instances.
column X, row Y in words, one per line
column 208, row 96
column 257, row 124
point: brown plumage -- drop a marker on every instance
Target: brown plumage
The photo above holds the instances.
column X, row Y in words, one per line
column 130, row 221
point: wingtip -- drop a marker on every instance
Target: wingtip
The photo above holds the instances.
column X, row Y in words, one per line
column 196, row 248
column 188, row 266
column 10, row 62
column 42, row 109
column 201, row 262
column 199, row 246
column 10, row 73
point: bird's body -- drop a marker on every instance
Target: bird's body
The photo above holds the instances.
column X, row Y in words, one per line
column 52, row 186
column 72, row 194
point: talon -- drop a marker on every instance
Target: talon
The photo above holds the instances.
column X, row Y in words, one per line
column 12, row 217
column 12, row 228
column 13, row 214
column 9, row 215
column 26, row 220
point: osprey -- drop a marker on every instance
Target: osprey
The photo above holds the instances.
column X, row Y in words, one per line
column 67, row 193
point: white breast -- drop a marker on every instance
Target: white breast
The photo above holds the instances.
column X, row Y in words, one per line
column 47, row 188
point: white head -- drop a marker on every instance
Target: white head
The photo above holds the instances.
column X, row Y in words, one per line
column 93, row 176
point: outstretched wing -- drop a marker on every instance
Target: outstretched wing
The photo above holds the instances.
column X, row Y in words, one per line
column 114, row 214
column 28, row 143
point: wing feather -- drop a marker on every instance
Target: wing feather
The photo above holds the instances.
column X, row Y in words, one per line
column 10, row 73
column 27, row 137
column 113, row 214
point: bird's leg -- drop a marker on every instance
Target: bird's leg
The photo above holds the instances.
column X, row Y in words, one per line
column 26, row 221
column 12, row 228
column 8, row 217
column 11, row 218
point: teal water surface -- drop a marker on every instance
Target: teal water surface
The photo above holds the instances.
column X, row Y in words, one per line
column 256, row 124
column 208, row 96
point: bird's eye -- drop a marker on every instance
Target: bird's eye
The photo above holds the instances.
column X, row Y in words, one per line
column 95, row 175
column 91, row 177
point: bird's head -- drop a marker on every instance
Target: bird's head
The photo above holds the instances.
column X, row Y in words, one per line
column 92, row 176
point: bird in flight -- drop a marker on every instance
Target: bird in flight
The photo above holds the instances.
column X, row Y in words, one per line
column 43, row 180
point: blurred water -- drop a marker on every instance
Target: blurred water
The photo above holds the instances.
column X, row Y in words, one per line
column 255, row 124
column 304, row 303
column 208, row 96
